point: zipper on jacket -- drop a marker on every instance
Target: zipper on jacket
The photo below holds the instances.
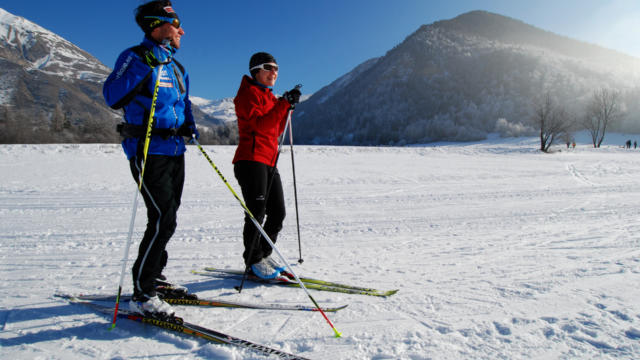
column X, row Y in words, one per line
column 175, row 124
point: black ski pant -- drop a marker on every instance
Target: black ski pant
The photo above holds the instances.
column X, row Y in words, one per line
column 161, row 190
column 262, row 192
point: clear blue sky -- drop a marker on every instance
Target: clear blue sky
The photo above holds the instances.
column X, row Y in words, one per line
column 314, row 42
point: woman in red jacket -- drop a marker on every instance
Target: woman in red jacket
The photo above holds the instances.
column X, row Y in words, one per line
column 262, row 118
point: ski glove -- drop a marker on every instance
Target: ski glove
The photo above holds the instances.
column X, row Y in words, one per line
column 189, row 130
column 159, row 55
column 292, row 96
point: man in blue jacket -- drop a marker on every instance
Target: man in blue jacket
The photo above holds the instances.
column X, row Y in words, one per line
column 131, row 86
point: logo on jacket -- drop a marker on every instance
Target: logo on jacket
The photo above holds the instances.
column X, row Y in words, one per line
column 165, row 79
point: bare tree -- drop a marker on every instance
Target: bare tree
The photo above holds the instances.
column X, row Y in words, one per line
column 603, row 110
column 553, row 120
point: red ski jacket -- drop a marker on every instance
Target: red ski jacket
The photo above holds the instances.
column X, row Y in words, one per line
column 261, row 119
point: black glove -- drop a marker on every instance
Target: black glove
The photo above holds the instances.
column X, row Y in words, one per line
column 292, row 96
column 189, row 130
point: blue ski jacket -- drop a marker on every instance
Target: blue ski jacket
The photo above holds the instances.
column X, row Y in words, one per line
column 130, row 87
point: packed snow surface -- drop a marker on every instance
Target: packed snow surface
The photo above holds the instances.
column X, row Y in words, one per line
column 499, row 252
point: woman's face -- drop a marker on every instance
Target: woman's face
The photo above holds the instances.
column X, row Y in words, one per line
column 267, row 77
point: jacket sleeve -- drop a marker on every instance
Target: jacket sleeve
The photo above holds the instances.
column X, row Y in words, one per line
column 127, row 79
column 251, row 106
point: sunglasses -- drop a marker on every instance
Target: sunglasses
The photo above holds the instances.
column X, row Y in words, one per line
column 266, row 67
column 173, row 21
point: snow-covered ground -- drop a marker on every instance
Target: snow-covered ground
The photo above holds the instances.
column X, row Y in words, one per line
column 499, row 251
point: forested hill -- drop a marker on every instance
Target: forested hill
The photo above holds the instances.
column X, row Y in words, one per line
column 455, row 79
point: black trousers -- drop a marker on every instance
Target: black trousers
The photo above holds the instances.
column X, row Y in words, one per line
column 262, row 192
column 161, row 190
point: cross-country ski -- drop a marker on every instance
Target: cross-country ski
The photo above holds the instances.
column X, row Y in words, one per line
column 210, row 303
column 310, row 283
column 191, row 330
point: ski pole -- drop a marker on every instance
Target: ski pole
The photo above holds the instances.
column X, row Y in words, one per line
column 264, row 234
column 295, row 188
column 147, row 140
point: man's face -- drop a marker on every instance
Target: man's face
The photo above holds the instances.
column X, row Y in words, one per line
column 170, row 32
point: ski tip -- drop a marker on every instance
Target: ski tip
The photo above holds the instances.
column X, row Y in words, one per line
column 68, row 297
column 335, row 309
column 385, row 294
column 338, row 334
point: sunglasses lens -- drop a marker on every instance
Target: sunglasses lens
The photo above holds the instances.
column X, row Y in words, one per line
column 160, row 19
column 270, row 67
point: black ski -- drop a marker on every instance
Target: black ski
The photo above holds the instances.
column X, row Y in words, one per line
column 188, row 329
column 214, row 303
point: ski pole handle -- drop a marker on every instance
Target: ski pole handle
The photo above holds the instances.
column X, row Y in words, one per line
column 293, row 104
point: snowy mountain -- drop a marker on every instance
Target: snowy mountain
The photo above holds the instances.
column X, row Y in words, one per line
column 36, row 48
column 223, row 110
column 454, row 79
column 51, row 86
column 51, row 91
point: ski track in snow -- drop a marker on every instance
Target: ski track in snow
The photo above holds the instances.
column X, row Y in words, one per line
column 499, row 251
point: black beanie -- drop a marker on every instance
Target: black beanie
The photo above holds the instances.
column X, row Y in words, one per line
column 259, row 59
column 160, row 8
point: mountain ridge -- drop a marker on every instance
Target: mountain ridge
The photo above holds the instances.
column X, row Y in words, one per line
column 450, row 80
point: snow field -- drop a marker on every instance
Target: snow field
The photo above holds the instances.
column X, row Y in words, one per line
column 499, row 251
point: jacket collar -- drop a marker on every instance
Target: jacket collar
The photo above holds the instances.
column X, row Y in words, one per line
column 150, row 43
column 254, row 82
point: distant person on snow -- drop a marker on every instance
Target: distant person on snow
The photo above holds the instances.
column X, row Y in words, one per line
column 131, row 86
column 262, row 118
